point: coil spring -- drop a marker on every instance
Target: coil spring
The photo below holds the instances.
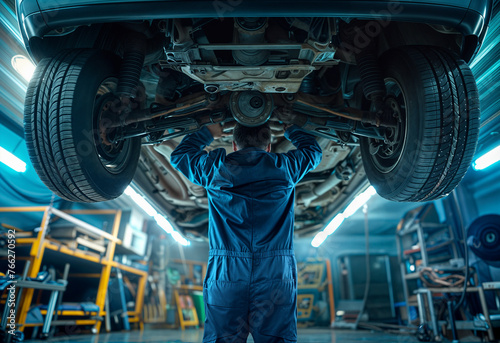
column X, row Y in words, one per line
column 308, row 84
column 133, row 60
column 372, row 80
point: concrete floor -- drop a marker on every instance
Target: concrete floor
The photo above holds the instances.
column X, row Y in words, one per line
column 177, row 336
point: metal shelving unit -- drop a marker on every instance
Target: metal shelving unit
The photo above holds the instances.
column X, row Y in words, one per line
column 42, row 249
column 423, row 243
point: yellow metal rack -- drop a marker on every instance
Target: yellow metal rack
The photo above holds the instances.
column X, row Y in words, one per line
column 35, row 249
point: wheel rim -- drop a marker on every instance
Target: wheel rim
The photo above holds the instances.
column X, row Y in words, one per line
column 387, row 154
column 114, row 156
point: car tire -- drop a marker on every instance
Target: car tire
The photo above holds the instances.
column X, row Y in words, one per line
column 62, row 130
column 436, row 102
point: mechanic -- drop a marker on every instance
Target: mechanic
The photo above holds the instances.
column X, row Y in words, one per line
column 250, row 286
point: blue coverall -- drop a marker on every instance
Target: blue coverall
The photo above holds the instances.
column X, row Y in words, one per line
column 250, row 285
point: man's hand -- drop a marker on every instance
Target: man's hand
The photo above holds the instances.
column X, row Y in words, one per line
column 215, row 130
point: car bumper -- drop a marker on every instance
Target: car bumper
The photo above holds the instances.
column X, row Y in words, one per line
column 470, row 17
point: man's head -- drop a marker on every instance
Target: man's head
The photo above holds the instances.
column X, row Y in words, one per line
column 252, row 137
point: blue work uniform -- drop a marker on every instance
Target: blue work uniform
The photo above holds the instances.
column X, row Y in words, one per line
column 251, row 281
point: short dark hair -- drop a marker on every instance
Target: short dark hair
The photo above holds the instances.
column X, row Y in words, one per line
column 252, row 137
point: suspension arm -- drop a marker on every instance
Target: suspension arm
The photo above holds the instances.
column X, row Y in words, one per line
column 189, row 114
column 328, row 127
column 382, row 118
column 168, row 128
column 183, row 107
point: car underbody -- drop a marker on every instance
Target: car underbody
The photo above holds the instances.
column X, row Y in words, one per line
column 293, row 83
column 334, row 77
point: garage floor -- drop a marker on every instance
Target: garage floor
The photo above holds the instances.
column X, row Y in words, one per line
column 177, row 336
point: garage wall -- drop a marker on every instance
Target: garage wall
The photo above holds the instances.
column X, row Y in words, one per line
column 481, row 189
column 340, row 245
column 21, row 189
column 482, row 192
column 196, row 251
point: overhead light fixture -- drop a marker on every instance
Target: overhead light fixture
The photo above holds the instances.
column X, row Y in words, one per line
column 487, row 159
column 319, row 239
column 160, row 219
column 335, row 223
column 178, row 237
column 23, row 66
column 140, row 201
column 12, row 161
column 164, row 223
column 359, row 201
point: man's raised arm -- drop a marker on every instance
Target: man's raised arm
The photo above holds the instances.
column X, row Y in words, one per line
column 307, row 156
column 189, row 157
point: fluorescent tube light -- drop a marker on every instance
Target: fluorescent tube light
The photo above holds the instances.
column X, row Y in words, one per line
column 23, row 66
column 164, row 223
column 487, row 159
column 335, row 223
column 359, row 201
column 160, row 220
column 178, row 237
column 140, row 201
column 319, row 239
column 12, row 161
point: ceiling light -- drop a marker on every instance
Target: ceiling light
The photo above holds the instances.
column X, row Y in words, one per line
column 359, row 201
column 23, row 66
column 164, row 223
column 319, row 239
column 335, row 223
column 140, row 201
column 178, row 237
column 12, row 161
column 487, row 159
column 160, row 219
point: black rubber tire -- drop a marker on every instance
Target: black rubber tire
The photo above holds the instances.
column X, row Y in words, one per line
column 60, row 127
column 442, row 121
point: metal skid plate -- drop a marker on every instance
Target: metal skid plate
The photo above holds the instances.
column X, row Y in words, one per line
column 265, row 79
column 283, row 74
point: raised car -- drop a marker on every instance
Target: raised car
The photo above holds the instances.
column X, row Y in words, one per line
column 384, row 85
